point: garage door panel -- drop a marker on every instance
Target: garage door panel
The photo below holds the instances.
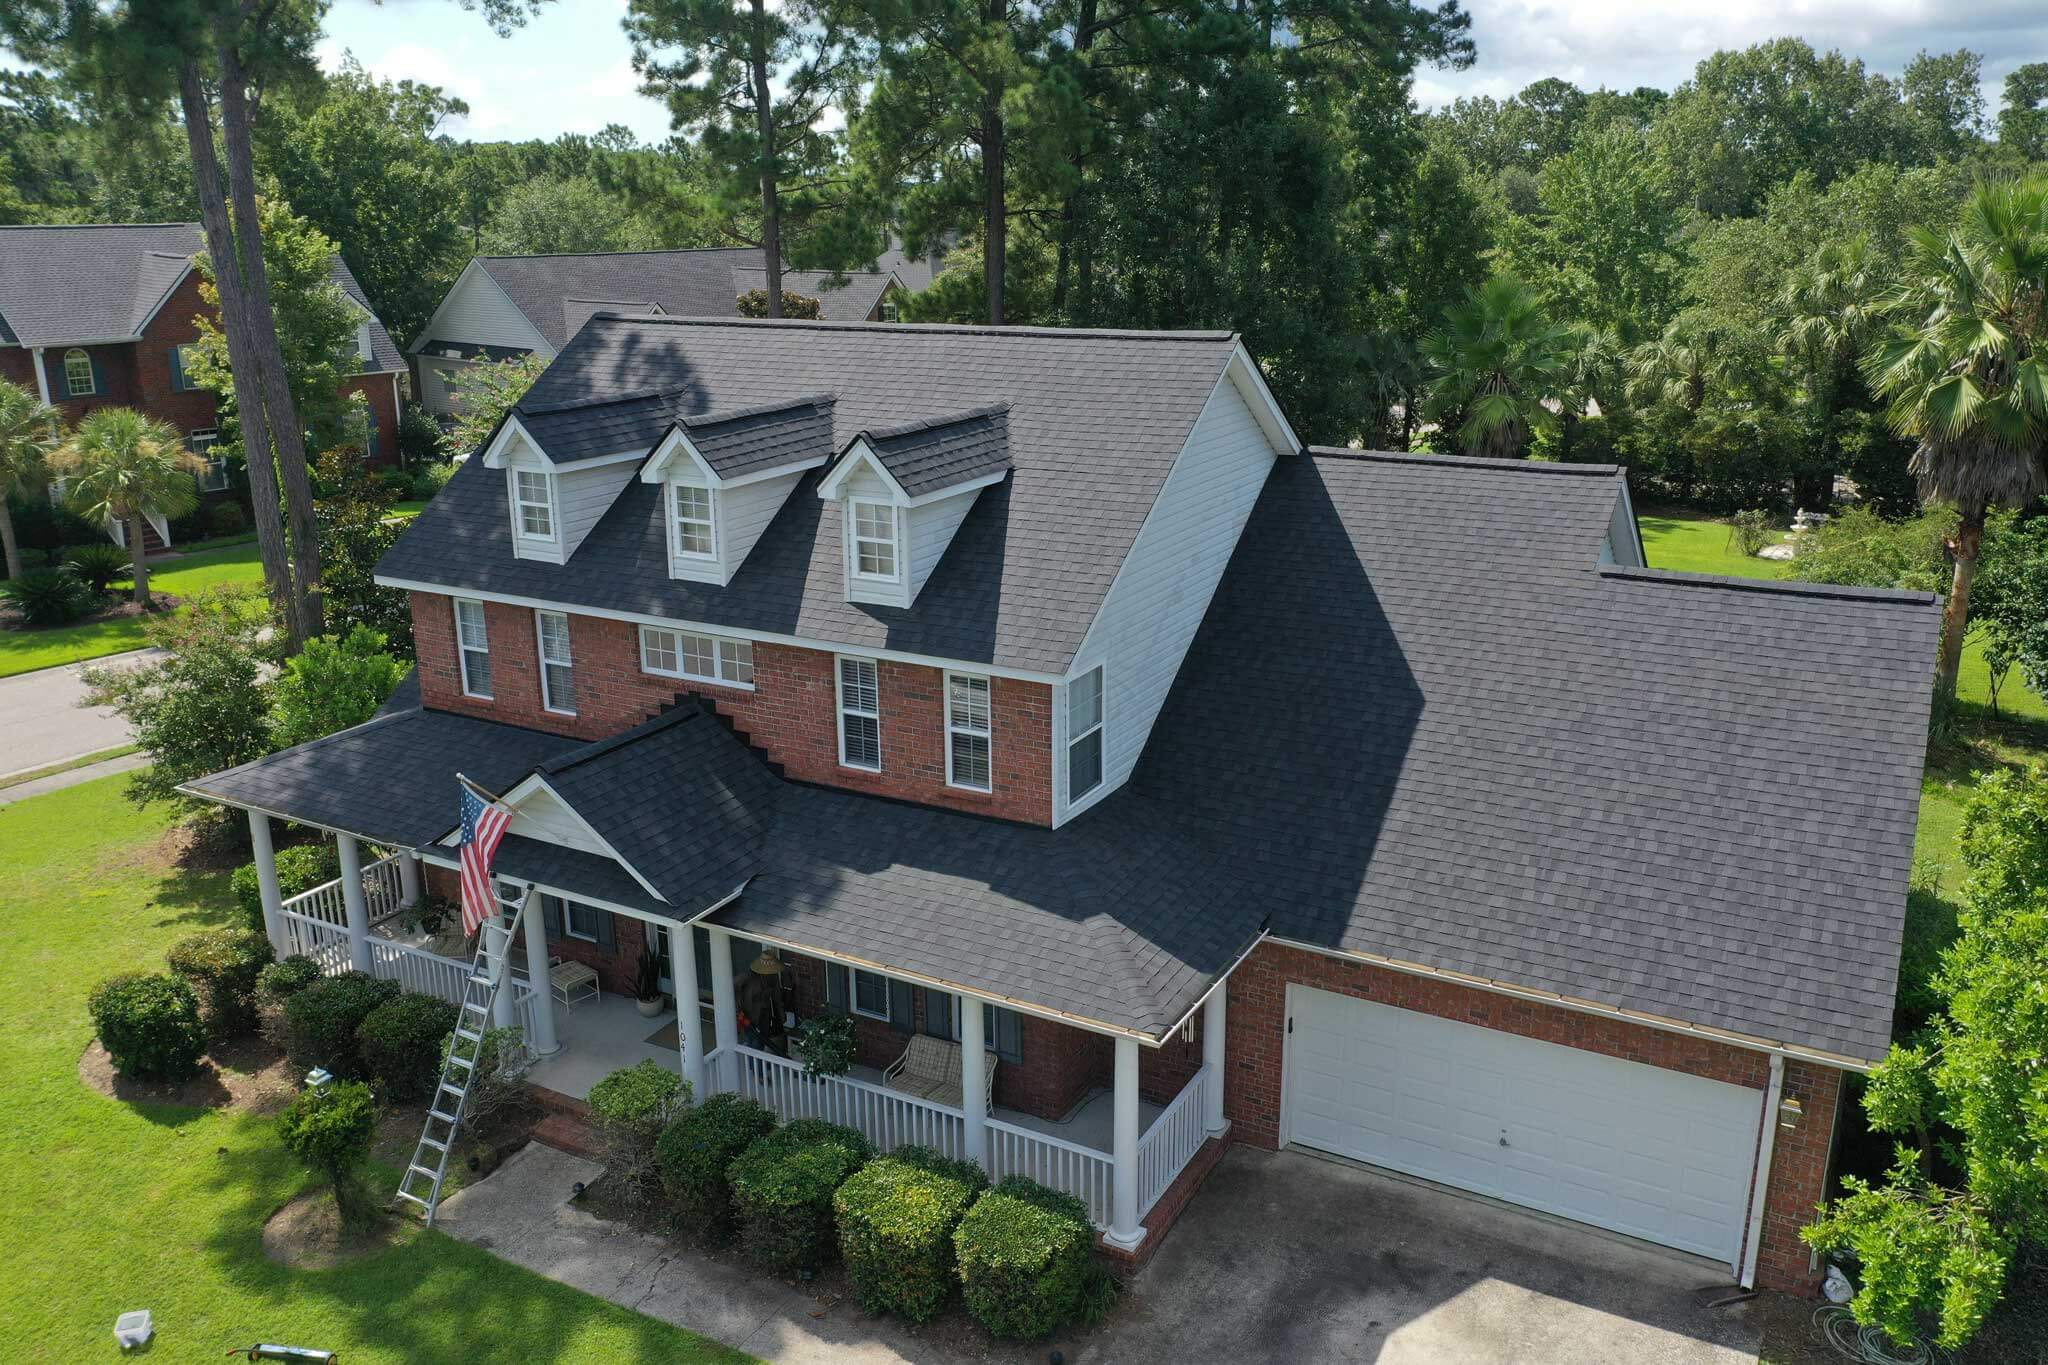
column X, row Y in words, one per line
column 1653, row 1153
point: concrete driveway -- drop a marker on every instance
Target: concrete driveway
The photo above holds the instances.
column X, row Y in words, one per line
column 43, row 722
column 1285, row 1256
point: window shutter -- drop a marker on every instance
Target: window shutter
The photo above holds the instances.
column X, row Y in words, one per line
column 99, row 376
column 607, row 936
column 838, row 991
column 551, row 917
column 938, row 1014
column 177, row 371
column 902, row 1007
column 1003, row 1032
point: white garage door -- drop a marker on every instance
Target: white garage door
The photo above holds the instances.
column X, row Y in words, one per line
column 1639, row 1149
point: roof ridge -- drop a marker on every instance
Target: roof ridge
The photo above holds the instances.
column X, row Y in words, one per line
column 915, row 424
column 924, row 328
column 721, row 415
column 644, row 251
column 675, row 715
column 73, row 227
column 635, row 396
column 1777, row 586
column 1465, row 461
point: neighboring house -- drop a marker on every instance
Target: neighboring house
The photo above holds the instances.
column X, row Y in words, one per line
column 1033, row 695
column 506, row 306
column 101, row 315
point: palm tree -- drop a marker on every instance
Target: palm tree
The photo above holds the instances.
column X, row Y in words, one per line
column 123, row 466
column 27, row 433
column 1969, row 379
column 1499, row 367
column 1827, row 311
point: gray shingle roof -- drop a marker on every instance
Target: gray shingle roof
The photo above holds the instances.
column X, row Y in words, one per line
column 933, row 454
column 742, row 441
column 850, row 301
column 384, row 353
column 679, row 283
column 592, row 430
column 1095, row 421
column 89, row 283
column 1691, row 797
column 590, row 876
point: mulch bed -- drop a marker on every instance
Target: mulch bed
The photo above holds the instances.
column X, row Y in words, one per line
column 306, row 1234
column 121, row 607
column 243, row 1073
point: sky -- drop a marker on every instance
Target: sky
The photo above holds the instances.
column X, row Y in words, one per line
column 569, row 70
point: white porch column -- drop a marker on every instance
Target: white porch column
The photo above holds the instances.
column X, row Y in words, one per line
column 42, row 378
column 973, row 1080
column 682, row 957
column 352, row 900
column 1125, row 1231
column 533, row 925
column 408, row 880
column 724, row 1008
column 266, row 879
column 1213, row 1121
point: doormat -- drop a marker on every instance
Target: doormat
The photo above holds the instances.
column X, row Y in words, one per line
column 666, row 1036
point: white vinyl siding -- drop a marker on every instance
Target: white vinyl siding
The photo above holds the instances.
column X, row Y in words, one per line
column 701, row 658
column 478, row 312
column 583, row 496
column 557, row 664
column 1085, row 705
column 437, row 386
column 535, row 512
column 744, row 513
column 473, row 648
column 929, row 530
column 1149, row 617
column 860, row 714
column 969, row 732
column 693, row 520
column 543, row 817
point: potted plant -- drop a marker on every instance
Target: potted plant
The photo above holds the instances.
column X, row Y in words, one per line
column 825, row 1044
column 647, row 984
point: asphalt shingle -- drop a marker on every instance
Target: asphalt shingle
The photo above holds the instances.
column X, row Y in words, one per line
column 933, row 454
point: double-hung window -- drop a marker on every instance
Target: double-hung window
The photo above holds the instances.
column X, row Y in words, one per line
column 860, row 714
column 696, row 532
column 870, row 995
column 536, row 495
column 583, row 921
column 701, row 658
column 181, row 368
column 968, row 727
column 473, row 646
column 557, row 669
column 874, row 539
column 202, row 443
column 78, row 374
column 1084, row 734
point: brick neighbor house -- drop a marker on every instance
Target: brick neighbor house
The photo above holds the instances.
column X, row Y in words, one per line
column 101, row 316
column 1035, row 696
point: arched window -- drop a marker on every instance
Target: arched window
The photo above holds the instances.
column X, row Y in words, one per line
column 77, row 373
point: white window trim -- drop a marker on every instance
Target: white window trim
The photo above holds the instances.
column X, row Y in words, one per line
column 1101, row 727
column 462, row 651
column 215, row 479
column 682, row 669
column 569, row 929
column 520, row 503
column 839, row 710
column 540, row 645
column 853, row 976
column 854, row 539
column 71, row 389
column 185, row 351
column 675, row 522
column 989, row 734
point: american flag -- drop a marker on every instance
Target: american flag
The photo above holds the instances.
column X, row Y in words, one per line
column 483, row 825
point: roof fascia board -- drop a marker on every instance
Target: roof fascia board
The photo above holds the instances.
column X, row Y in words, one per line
column 165, row 297
column 214, row 798
column 769, row 637
column 859, row 452
column 494, row 453
column 1628, row 506
column 678, row 442
column 1251, row 382
column 584, row 897
column 534, row 782
column 954, row 490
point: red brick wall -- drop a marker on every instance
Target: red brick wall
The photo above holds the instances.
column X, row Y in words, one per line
column 791, row 714
column 377, row 389
column 1257, row 1027
column 617, row 966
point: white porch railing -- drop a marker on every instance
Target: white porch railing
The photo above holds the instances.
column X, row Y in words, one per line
column 1172, row 1141
column 1083, row 1172
column 889, row 1119
column 383, row 894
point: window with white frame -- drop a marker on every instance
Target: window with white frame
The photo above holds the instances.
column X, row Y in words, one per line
column 890, row 312
column 690, row 507
column 181, row 368
column 473, row 647
column 870, row 994
column 535, row 491
column 701, row 658
column 860, row 714
column 77, row 374
column 968, row 730
column 557, row 669
column 202, row 444
column 582, row 921
column 874, row 539
column 1084, row 734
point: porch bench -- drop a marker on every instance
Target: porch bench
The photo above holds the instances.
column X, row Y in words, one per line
column 930, row 1070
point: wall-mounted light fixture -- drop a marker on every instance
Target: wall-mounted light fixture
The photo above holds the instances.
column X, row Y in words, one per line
column 1790, row 1111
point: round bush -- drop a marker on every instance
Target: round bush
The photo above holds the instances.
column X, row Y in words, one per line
column 400, row 1043
column 1024, row 1256
column 150, row 1026
column 896, row 1218
column 782, row 1188
column 629, row 1107
column 224, row 966
column 320, row 1022
column 226, row 519
column 330, row 1130
column 694, row 1151
column 282, row 980
column 49, row 597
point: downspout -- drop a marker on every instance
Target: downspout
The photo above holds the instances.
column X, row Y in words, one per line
column 1763, row 1171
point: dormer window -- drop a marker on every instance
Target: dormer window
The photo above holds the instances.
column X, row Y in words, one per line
column 874, row 540
column 693, row 516
column 535, row 491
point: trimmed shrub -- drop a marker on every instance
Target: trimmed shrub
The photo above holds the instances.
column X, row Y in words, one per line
column 400, row 1043
column 300, row 868
column 630, row 1107
column 694, row 1151
column 285, row 978
column 226, row 519
column 419, row 435
column 896, row 1218
column 396, row 483
column 1025, row 1262
column 99, row 565
column 49, row 597
column 782, row 1190
column 320, row 1022
column 224, row 966
column 432, row 478
column 150, row 1026
column 330, row 1131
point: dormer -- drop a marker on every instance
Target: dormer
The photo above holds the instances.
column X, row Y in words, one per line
column 565, row 465
column 903, row 491
column 724, row 475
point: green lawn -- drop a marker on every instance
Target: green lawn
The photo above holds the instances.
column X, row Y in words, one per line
column 23, row 650
column 116, row 1206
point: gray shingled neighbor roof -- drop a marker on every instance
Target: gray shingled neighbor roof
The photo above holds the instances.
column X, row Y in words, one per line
column 1095, row 421
column 385, row 356
column 736, row 442
column 1465, row 746
column 932, row 454
column 844, row 298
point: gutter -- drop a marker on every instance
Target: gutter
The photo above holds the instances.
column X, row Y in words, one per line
column 1766, row 1147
